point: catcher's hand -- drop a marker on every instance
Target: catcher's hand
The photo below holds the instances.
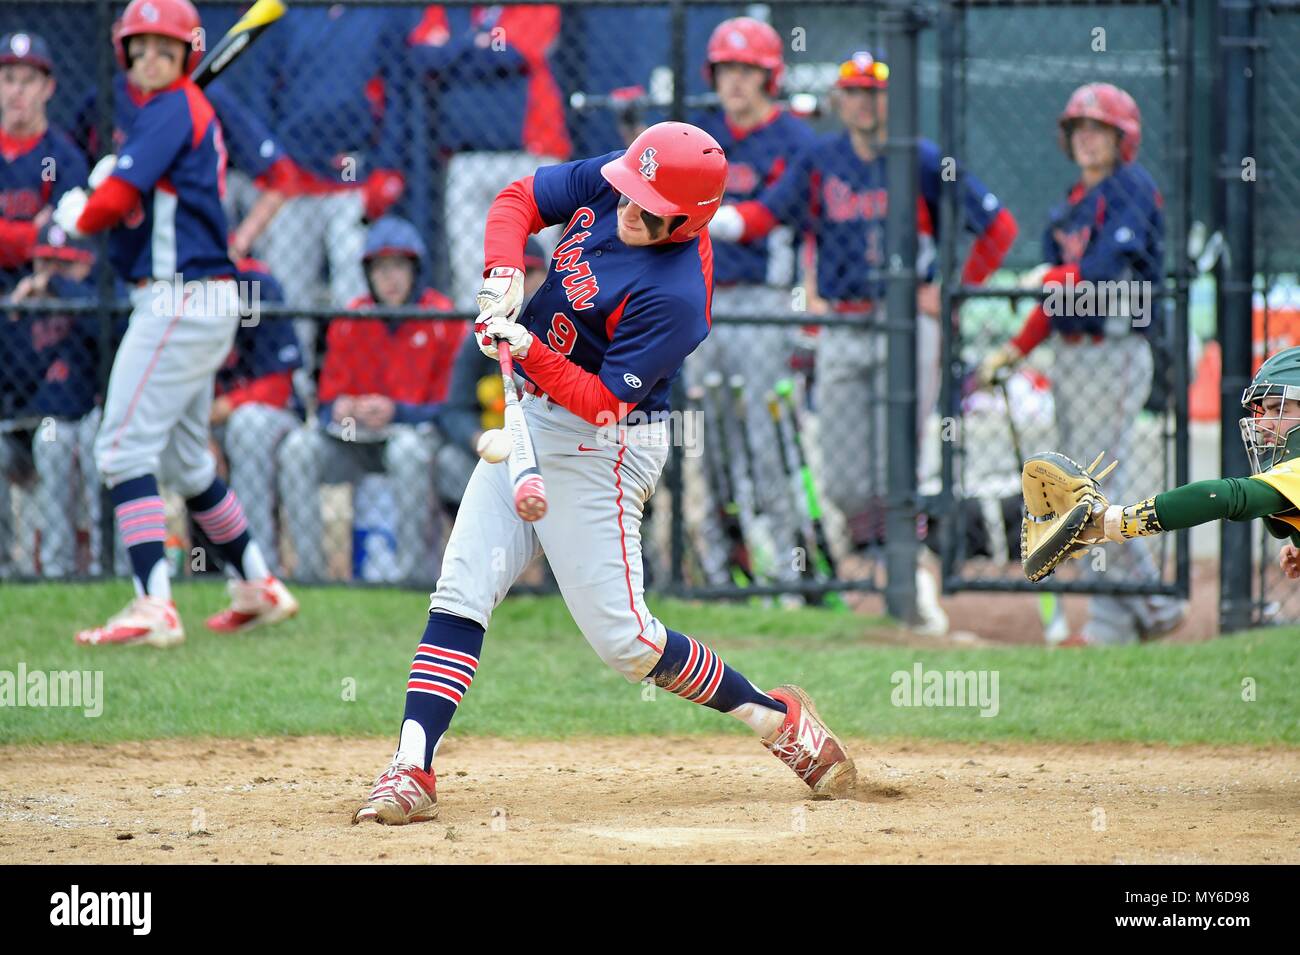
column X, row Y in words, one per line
column 1064, row 511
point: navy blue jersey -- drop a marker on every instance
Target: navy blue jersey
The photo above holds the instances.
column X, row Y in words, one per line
column 52, row 359
column 756, row 159
column 250, row 145
column 845, row 201
column 630, row 314
column 34, row 175
column 174, row 155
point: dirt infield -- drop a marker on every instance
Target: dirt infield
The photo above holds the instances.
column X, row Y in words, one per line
column 714, row 799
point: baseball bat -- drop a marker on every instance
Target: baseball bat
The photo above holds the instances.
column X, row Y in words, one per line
column 763, row 545
column 719, row 486
column 237, row 39
column 813, row 534
column 525, row 475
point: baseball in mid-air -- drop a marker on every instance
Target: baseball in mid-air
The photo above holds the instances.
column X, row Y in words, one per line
column 494, row 445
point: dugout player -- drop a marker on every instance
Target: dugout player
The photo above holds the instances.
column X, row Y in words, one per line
column 161, row 196
column 1111, row 227
column 38, row 163
column 838, row 189
column 760, row 139
column 625, row 300
column 382, row 384
column 61, row 356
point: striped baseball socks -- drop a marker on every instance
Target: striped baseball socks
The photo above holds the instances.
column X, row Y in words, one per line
column 142, row 522
column 217, row 511
column 694, row 672
column 441, row 673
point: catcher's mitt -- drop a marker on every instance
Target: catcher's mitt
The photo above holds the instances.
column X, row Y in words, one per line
column 1063, row 510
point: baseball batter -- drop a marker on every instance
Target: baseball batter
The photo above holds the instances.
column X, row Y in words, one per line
column 161, row 195
column 626, row 299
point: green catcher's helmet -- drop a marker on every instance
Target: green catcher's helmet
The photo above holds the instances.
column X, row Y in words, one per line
column 1271, row 436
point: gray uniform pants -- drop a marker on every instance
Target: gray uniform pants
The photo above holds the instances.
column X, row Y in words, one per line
column 1099, row 390
column 309, row 458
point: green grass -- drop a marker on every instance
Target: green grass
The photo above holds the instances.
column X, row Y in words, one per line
column 538, row 678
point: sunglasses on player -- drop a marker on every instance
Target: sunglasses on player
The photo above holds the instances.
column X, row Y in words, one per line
column 862, row 69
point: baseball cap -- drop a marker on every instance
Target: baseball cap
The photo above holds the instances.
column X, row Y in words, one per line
column 53, row 243
column 26, row 48
column 864, row 71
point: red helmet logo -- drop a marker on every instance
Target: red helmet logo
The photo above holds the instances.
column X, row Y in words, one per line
column 149, row 13
column 647, row 163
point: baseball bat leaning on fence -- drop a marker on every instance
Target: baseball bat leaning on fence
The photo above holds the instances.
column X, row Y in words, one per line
column 763, row 553
column 820, row 564
column 525, row 476
column 738, row 566
column 759, row 560
column 237, row 39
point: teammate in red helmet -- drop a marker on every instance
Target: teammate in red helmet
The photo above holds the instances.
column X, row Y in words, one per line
column 626, row 299
column 1108, row 234
column 159, row 199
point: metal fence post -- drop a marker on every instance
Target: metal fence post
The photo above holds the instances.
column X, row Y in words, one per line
column 1235, row 274
column 900, row 311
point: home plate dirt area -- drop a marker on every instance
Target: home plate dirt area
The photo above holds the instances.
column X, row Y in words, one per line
column 686, row 799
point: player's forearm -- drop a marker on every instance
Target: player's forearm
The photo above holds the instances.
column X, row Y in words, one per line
column 108, row 205
column 573, row 386
column 990, row 248
column 513, row 217
column 1225, row 499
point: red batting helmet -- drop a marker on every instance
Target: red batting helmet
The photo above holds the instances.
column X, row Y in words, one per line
column 672, row 169
column 1106, row 104
column 746, row 40
column 171, row 18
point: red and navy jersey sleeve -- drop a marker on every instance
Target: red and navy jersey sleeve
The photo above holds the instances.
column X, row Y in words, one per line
column 252, row 147
column 162, row 129
column 789, row 199
column 562, row 189
column 651, row 342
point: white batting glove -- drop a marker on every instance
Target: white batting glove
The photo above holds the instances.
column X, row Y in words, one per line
column 103, row 169
column 502, row 295
column 69, row 210
column 498, row 329
column 1033, row 279
column 998, row 365
column 726, row 225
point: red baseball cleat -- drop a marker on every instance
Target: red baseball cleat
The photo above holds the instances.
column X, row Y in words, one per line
column 145, row 619
column 806, row 744
column 403, row 793
column 254, row 603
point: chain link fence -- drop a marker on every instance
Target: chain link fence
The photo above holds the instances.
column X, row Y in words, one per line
column 366, row 141
column 1076, row 115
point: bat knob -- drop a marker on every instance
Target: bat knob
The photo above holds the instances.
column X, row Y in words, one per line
column 530, row 499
